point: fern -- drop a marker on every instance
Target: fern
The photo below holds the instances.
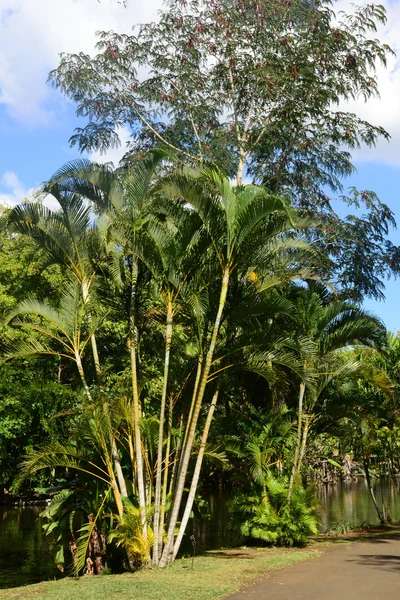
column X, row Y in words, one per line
column 270, row 519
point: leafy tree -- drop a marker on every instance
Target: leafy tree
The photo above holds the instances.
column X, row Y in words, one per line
column 245, row 235
column 126, row 198
column 30, row 394
column 246, row 227
column 30, row 400
column 252, row 86
column 361, row 410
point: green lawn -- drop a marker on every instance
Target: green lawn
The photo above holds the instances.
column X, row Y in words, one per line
column 214, row 576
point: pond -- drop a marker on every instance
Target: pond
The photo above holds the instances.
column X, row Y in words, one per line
column 24, row 554
column 349, row 505
column 25, row 557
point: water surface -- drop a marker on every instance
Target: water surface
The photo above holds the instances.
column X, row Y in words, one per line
column 25, row 556
column 24, row 553
column 349, row 505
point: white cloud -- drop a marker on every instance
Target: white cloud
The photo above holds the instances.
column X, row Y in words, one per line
column 34, row 32
column 383, row 111
column 15, row 191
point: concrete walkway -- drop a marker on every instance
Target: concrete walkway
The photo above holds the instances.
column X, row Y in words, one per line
column 361, row 570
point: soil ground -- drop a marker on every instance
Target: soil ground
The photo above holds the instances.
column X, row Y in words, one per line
column 361, row 570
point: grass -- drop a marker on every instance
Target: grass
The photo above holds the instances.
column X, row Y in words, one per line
column 215, row 575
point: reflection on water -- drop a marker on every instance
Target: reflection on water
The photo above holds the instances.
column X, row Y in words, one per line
column 24, row 554
column 25, row 557
column 343, row 505
column 350, row 503
column 215, row 532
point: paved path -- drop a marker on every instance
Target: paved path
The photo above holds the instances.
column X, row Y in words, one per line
column 367, row 570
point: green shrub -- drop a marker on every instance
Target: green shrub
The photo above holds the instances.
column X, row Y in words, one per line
column 269, row 518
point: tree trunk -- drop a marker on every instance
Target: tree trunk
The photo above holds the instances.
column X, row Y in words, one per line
column 371, row 491
column 136, row 400
column 79, row 365
column 117, row 495
column 196, row 475
column 114, row 450
column 239, row 174
column 96, row 360
column 306, row 430
column 168, row 549
column 165, row 482
column 176, row 459
column 157, row 498
column 298, row 441
column 192, row 405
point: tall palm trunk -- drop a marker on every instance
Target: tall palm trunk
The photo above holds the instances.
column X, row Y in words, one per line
column 168, row 549
column 114, row 450
column 135, row 398
column 303, row 448
column 177, row 457
column 81, row 372
column 196, row 475
column 165, row 480
column 298, row 440
column 190, row 415
column 96, row 360
column 157, row 498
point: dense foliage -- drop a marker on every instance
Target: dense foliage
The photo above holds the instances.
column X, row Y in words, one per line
column 168, row 327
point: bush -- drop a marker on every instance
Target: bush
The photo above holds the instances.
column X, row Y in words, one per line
column 269, row 518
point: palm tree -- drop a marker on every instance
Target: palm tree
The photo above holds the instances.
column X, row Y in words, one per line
column 326, row 324
column 65, row 332
column 90, row 456
column 235, row 234
column 362, row 413
column 165, row 245
column 126, row 197
column 265, row 450
column 174, row 280
column 246, row 226
column 75, row 244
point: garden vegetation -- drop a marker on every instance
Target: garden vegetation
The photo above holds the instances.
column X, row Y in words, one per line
column 192, row 317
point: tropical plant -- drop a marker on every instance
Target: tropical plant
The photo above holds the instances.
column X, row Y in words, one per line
column 269, row 517
column 267, row 450
column 63, row 519
column 128, row 200
column 183, row 310
column 330, row 324
column 246, row 227
column 89, row 489
column 184, row 255
column 70, row 241
column 364, row 408
column 129, row 534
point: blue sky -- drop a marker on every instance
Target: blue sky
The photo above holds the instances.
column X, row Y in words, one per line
column 384, row 179
column 36, row 122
